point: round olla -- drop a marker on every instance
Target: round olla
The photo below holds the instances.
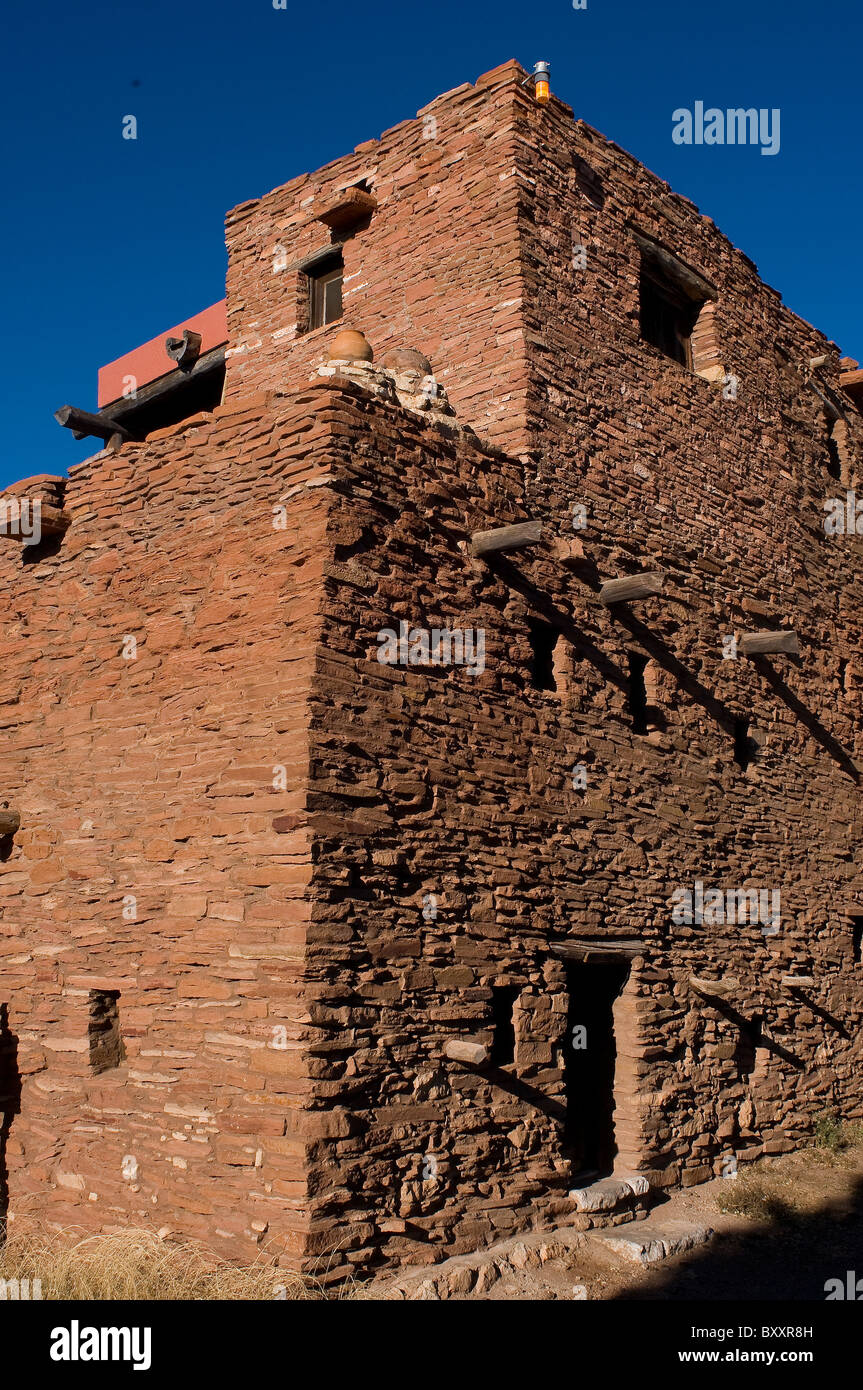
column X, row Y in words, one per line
column 407, row 360
column 350, row 346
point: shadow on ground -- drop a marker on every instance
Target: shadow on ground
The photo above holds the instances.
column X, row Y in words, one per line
column 790, row 1255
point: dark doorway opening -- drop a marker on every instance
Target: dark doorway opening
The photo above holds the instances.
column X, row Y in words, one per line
column 10, row 1105
column 589, row 1067
column 857, row 939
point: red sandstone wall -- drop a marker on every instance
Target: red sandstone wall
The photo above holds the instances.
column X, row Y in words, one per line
column 153, row 777
column 461, row 786
column 726, row 497
column 478, row 794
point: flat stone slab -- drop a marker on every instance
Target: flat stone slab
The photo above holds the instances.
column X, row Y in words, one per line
column 610, row 1193
column 647, row 1242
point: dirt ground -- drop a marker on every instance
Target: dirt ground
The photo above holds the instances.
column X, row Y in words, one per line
column 802, row 1224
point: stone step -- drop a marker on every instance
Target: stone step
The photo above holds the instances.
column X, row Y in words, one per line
column 651, row 1241
column 477, row 1273
column 608, row 1194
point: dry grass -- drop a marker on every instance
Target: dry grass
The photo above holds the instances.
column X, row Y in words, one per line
column 782, row 1190
column 136, row 1265
column 836, row 1141
column 761, row 1196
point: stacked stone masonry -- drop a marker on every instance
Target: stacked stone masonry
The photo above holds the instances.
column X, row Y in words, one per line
column 235, row 817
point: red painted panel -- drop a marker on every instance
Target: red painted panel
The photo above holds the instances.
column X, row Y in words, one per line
column 150, row 361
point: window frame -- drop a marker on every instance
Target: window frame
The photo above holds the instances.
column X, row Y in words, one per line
column 321, row 274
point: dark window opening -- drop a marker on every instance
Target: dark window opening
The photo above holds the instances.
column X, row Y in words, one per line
column 106, row 1044
column 751, row 1038
column 744, row 747
column 503, row 998
column 326, row 279
column 834, row 461
column 543, row 640
column 857, row 939
column 637, row 693
column 667, row 314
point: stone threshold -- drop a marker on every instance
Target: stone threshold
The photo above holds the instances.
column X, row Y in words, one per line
column 653, row 1241
column 476, row 1273
column 621, row 1189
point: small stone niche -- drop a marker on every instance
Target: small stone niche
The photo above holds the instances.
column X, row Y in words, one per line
column 106, row 1042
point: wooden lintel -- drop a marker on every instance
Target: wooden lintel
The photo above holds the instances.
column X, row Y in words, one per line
column 463, row 1050
column 595, row 952
column 764, row 643
column 629, row 587
column 690, row 281
column 9, row 822
column 349, row 207
column 82, row 424
column 798, row 981
column 503, row 538
column 717, row 989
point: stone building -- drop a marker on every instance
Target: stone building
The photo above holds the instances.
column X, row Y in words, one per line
column 373, row 887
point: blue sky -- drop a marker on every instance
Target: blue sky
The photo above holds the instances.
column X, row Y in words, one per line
column 107, row 242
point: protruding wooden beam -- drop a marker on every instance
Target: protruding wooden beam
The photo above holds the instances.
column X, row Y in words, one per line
column 715, row 989
column 764, row 643
column 517, row 537
column 798, row 981
column 463, row 1050
column 9, row 822
column 186, row 350
column 82, row 424
column 629, row 587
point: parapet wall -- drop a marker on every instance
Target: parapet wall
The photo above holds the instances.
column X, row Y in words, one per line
column 436, row 268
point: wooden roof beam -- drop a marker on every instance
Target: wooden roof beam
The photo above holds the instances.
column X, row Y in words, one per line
column 506, row 538
column 714, row 989
column 768, row 643
column 474, row 1054
column 629, row 587
column 82, row 424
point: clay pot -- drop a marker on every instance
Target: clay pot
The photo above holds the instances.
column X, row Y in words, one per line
column 350, row 346
column 407, row 360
